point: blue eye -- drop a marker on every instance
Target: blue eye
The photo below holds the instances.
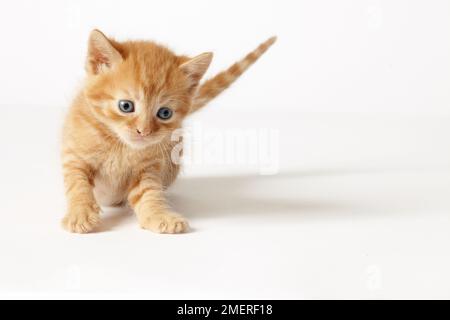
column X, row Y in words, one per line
column 165, row 113
column 126, row 106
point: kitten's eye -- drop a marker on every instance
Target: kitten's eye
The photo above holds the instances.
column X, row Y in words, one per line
column 165, row 113
column 126, row 106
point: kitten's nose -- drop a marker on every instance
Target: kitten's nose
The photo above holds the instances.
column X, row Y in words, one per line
column 143, row 132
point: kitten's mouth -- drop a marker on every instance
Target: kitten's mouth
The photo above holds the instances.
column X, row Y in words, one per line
column 140, row 142
column 139, row 138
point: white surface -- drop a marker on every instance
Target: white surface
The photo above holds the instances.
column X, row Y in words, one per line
column 346, row 55
column 340, row 220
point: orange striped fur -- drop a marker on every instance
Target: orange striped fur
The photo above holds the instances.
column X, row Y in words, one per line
column 216, row 85
column 111, row 157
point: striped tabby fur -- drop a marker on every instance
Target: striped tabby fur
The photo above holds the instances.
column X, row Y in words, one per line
column 113, row 158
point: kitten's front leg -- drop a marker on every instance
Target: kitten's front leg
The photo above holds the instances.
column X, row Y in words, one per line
column 147, row 199
column 83, row 212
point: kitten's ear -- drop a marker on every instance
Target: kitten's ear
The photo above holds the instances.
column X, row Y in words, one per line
column 196, row 67
column 101, row 53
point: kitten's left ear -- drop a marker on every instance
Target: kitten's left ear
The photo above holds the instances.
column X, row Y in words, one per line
column 101, row 53
column 197, row 67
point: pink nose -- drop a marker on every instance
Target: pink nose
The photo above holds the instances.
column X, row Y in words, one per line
column 143, row 133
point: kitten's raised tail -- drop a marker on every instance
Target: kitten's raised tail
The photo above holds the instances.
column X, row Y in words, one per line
column 216, row 85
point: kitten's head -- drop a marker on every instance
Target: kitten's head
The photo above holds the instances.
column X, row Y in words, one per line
column 140, row 90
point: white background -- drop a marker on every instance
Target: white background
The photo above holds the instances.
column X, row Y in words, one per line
column 331, row 56
column 359, row 93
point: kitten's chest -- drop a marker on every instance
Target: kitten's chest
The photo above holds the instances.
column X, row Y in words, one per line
column 117, row 166
column 113, row 177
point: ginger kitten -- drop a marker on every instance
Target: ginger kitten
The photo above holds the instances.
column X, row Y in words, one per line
column 117, row 136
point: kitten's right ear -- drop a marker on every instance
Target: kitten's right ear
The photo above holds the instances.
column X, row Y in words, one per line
column 101, row 53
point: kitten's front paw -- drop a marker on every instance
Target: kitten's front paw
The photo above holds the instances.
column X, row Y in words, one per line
column 165, row 223
column 81, row 220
